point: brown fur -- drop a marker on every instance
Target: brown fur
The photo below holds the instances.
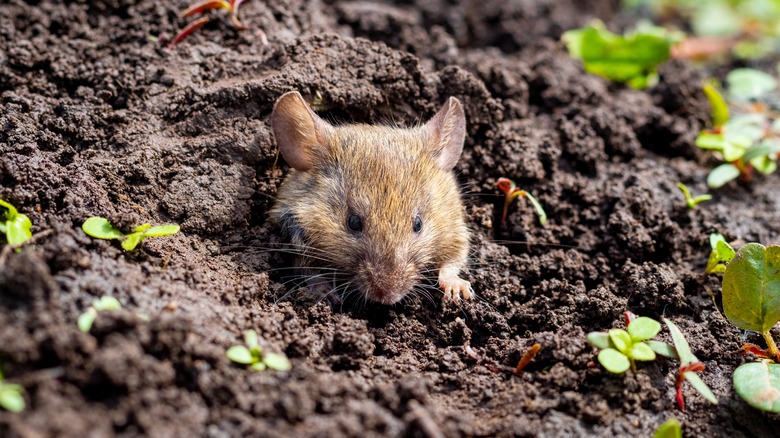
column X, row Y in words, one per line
column 387, row 176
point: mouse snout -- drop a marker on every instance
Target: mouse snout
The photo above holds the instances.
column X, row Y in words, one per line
column 388, row 285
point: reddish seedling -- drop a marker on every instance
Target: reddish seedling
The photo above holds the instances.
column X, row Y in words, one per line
column 528, row 356
column 491, row 365
column 678, row 385
column 511, row 191
column 231, row 6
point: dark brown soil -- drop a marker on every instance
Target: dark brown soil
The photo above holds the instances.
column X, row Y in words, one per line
column 99, row 119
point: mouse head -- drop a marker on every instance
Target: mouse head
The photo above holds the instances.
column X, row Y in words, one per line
column 377, row 204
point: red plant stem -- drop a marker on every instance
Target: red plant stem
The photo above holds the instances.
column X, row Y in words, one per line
column 190, row 28
column 692, row 367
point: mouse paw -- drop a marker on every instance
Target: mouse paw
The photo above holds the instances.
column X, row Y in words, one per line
column 453, row 286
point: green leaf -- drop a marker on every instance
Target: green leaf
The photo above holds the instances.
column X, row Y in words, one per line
column 716, row 19
column 701, row 387
column 539, row 210
column 631, row 58
column 11, row 397
column 141, row 228
column 100, row 228
column 599, row 340
column 620, row 339
column 18, row 230
column 86, row 319
column 680, row 344
column 641, row 351
column 11, row 213
column 663, row 349
column 132, row 241
column 258, row 366
column 710, row 141
column 720, row 111
column 162, row 230
column 277, row 362
column 721, row 253
column 643, row 328
column 250, row 338
column 614, row 361
column 670, row 429
column 240, row 354
column 758, row 383
column 747, row 83
column 106, row 303
column 721, row 175
column 751, row 288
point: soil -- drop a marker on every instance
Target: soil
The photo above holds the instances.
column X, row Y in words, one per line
column 99, row 118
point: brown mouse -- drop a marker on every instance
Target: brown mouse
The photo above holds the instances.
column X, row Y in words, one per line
column 373, row 209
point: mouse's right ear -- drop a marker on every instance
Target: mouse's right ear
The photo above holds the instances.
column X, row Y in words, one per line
column 300, row 133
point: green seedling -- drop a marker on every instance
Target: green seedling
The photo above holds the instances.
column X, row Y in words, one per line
column 104, row 304
column 100, row 228
column 511, row 192
column 231, row 6
column 670, row 429
column 746, row 142
column 751, row 301
column 689, row 366
column 748, row 29
column 720, row 110
column 252, row 355
column 751, row 291
column 11, row 398
column 721, row 254
column 14, row 225
column 746, row 84
column 632, row 58
column 692, row 201
column 621, row 348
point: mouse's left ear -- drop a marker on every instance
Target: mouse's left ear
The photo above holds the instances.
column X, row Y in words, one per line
column 445, row 134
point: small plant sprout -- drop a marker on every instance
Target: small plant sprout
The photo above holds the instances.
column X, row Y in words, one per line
column 751, row 291
column 511, row 191
column 747, row 142
column 689, row 365
column 100, row 228
column 632, row 58
column 721, row 254
column 253, row 356
column 621, row 348
column 11, row 398
column 751, row 301
column 670, row 429
column 231, row 6
column 13, row 224
column 104, row 304
column 692, row 201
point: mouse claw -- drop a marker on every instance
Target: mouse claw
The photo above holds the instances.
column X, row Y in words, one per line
column 453, row 286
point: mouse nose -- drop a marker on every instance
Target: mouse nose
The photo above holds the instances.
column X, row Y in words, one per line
column 387, row 286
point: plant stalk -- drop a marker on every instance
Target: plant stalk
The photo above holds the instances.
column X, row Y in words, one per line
column 771, row 344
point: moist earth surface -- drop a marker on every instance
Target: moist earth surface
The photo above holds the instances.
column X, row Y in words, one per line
column 100, row 118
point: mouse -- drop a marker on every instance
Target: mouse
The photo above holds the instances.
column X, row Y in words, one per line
column 372, row 209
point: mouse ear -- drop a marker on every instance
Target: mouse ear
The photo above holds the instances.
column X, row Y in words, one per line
column 445, row 134
column 300, row 133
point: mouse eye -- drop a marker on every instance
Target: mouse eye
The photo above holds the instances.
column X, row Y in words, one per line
column 417, row 224
column 354, row 223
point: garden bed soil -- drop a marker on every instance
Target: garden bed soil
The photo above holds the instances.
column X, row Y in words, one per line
column 100, row 118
